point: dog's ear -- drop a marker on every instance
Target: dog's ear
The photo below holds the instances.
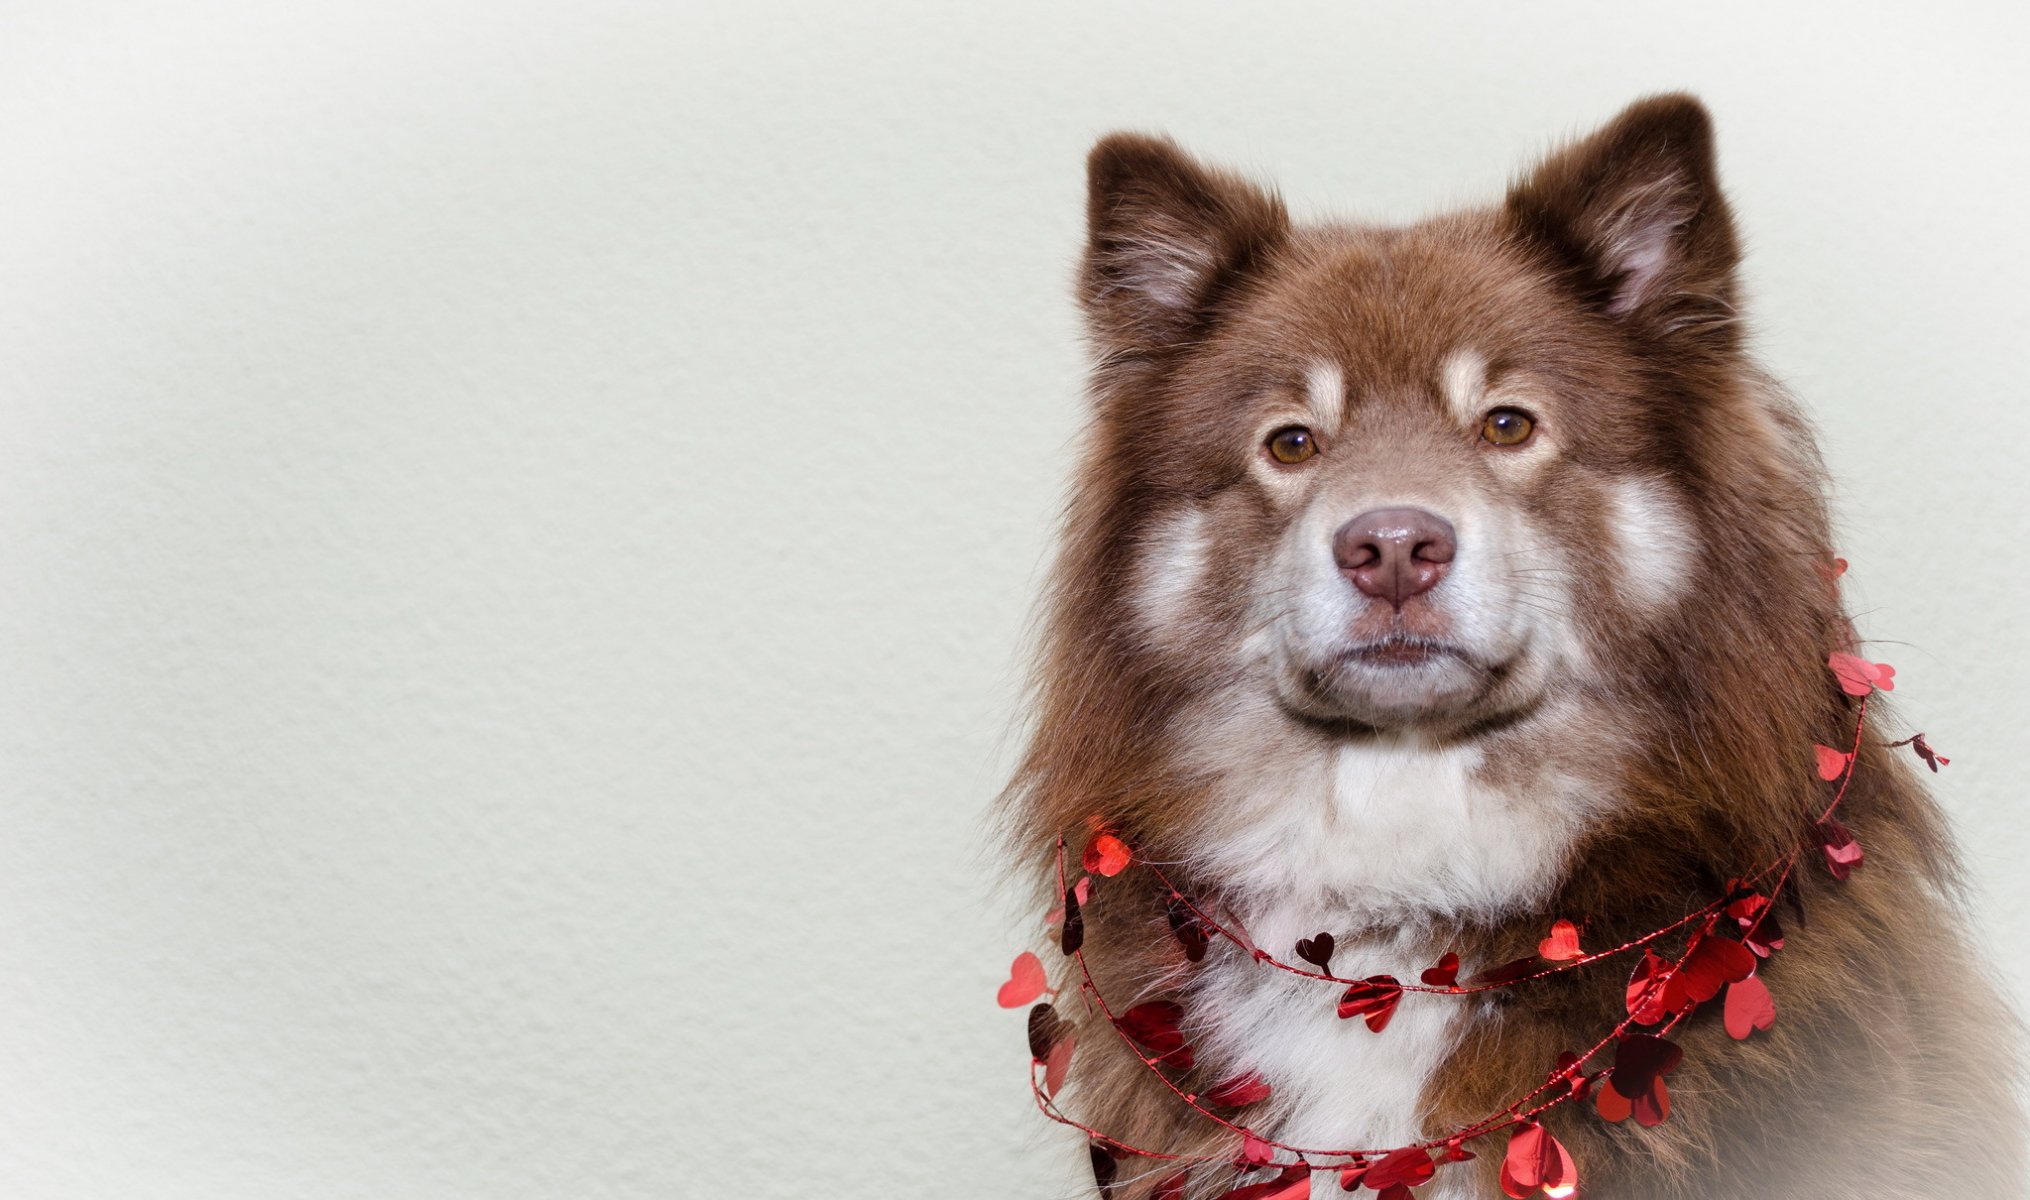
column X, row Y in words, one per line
column 1633, row 216
column 1167, row 237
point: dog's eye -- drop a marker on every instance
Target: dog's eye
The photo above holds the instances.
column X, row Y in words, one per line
column 1507, row 427
column 1292, row 444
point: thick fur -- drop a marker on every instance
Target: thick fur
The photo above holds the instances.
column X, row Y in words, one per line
column 1619, row 717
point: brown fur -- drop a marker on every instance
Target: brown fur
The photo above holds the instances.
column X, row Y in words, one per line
column 1890, row 1071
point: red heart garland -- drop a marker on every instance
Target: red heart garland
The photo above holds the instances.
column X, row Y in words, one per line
column 1713, row 963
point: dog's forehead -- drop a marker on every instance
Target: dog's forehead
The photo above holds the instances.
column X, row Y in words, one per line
column 1391, row 308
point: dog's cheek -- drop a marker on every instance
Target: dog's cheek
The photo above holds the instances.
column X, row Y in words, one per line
column 1655, row 546
column 1571, row 559
column 1169, row 578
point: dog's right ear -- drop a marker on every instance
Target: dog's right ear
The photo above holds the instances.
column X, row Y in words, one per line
column 1167, row 237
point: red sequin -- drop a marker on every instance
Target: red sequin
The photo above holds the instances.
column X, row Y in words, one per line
column 1714, row 962
column 1106, row 855
column 1640, row 1063
column 1289, row 1185
column 1536, row 1160
column 1240, row 1091
column 1407, row 1167
column 1858, row 676
column 1026, row 981
column 1843, row 852
column 1445, row 974
column 1154, row 1027
column 1749, row 1007
column 1317, row 951
column 1563, row 943
column 1373, row 999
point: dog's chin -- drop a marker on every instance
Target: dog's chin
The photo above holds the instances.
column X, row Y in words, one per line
column 1394, row 683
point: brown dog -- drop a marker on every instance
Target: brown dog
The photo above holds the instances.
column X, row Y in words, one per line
column 1427, row 586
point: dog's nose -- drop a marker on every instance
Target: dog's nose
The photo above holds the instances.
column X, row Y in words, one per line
column 1393, row 554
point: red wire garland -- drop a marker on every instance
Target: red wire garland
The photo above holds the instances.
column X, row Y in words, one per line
column 1518, row 1112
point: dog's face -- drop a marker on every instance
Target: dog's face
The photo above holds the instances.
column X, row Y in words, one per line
column 1406, row 485
column 1412, row 477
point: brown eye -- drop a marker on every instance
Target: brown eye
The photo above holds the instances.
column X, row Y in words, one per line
column 1507, row 427
column 1292, row 444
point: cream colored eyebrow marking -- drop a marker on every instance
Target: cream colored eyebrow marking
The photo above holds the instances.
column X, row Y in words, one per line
column 1325, row 390
column 1463, row 378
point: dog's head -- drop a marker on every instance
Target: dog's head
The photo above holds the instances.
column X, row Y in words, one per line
column 1417, row 476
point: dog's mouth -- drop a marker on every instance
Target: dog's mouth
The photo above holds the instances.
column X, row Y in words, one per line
column 1401, row 652
column 1389, row 681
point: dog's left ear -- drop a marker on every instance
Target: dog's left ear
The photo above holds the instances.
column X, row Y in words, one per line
column 1633, row 216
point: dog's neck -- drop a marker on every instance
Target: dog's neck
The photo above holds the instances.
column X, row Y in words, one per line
column 1386, row 832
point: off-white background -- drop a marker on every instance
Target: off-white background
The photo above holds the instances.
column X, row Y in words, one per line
column 516, row 523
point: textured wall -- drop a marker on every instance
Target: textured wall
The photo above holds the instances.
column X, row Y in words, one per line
column 516, row 524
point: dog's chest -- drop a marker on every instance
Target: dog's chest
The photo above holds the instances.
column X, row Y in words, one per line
column 1387, row 846
column 1338, row 1084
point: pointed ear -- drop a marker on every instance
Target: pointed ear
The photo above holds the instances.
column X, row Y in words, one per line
column 1166, row 238
column 1634, row 216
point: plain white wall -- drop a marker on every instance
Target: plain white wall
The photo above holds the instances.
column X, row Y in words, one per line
column 516, row 524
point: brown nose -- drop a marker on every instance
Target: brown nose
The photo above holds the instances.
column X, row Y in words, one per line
column 1393, row 554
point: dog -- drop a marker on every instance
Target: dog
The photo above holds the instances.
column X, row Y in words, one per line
column 1465, row 589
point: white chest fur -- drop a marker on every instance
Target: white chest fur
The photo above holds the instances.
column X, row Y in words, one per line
column 1381, row 843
